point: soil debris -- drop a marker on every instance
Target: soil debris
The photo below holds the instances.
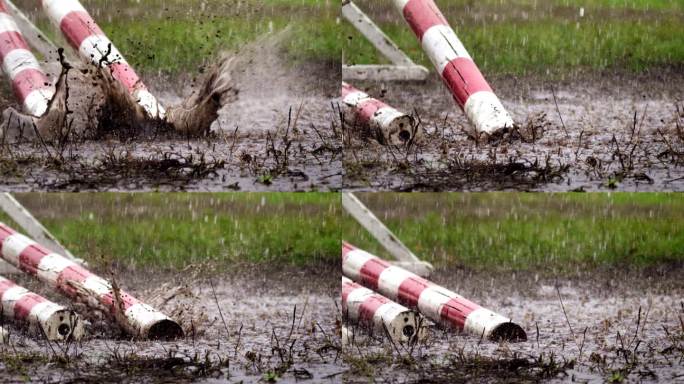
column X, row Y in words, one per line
column 572, row 137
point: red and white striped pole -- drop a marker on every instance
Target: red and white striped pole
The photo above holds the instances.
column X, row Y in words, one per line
column 453, row 62
column 434, row 302
column 29, row 83
column 395, row 127
column 92, row 44
column 378, row 314
column 40, row 314
column 75, row 282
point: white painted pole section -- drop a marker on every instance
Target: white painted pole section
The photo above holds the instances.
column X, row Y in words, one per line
column 454, row 64
column 384, row 235
column 42, row 316
column 29, row 82
column 403, row 67
column 382, row 72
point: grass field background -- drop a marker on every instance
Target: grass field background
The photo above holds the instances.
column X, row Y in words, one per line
column 175, row 230
column 532, row 231
column 174, row 36
column 479, row 231
column 519, row 37
column 532, row 37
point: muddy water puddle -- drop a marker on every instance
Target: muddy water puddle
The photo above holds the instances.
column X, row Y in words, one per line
column 584, row 134
column 620, row 331
column 247, row 162
column 266, row 329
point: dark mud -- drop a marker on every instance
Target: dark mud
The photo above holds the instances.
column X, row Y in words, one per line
column 248, row 325
column 587, row 133
column 279, row 133
column 612, row 326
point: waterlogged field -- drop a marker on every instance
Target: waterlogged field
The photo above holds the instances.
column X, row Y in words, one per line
column 248, row 276
column 594, row 87
column 276, row 129
column 594, row 280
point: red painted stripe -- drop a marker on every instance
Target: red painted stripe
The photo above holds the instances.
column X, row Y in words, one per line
column 9, row 41
column 3, row 7
column 127, row 76
column 463, row 78
column 77, row 26
column 126, row 299
column 456, row 311
column 370, row 272
column 423, row 14
column 28, row 81
column 23, row 306
column 366, row 110
column 73, row 274
column 4, row 286
column 410, row 290
column 30, row 257
column 369, row 307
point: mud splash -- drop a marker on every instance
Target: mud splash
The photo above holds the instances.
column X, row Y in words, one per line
column 250, row 325
column 598, row 132
column 286, row 143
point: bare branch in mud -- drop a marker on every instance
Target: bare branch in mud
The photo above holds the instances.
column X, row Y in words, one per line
column 119, row 312
column 555, row 101
column 218, row 306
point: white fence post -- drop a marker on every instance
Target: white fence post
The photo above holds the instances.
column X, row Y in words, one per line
column 402, row 68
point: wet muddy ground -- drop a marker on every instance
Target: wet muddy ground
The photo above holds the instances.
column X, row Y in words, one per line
column 590, row 132
column 612, row 326
column 247, row 325
column 280, row 133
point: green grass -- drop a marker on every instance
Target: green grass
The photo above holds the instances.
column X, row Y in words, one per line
column 481, row 231
column 175, row 230
column 176, row 36
column 532, row 231
column 549, row 38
